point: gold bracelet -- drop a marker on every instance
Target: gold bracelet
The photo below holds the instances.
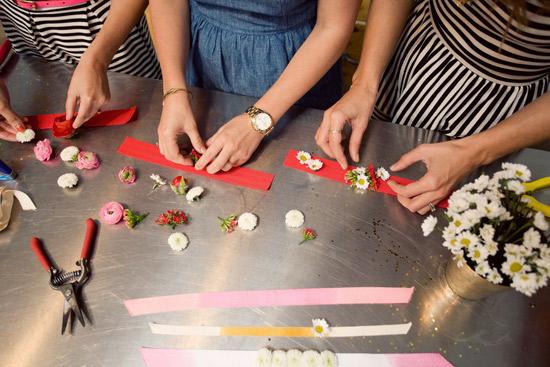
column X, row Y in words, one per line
column 176, row 90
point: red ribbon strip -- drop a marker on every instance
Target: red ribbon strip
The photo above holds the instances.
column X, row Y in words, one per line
column 104, row 118
column 239, row 176
column 332, row 170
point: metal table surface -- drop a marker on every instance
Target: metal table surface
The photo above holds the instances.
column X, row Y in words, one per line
column 364, row 240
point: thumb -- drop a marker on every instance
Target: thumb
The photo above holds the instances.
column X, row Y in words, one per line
column 70, row 106
column 407, row 159
column 196, row 139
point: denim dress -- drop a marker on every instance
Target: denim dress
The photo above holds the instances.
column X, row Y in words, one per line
column 243, row 46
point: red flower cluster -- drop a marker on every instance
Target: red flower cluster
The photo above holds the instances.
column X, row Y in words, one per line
column 373, row 178
column 308, row 235
column 172, row 218
column 194, row 156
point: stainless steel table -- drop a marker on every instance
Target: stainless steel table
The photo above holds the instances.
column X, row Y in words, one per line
column 364, row 240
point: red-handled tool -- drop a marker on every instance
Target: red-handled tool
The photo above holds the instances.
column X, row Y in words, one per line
column 69, row 283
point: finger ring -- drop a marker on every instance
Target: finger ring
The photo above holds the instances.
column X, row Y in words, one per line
column 335, row 131
column 432, row 207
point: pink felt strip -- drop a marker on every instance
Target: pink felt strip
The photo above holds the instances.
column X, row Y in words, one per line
column 154, row 357
column 270, row 298
column 104, row 118
column 239, row 176
column 332, row 170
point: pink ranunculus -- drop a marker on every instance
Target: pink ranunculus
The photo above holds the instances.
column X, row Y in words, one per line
column 127, row 175
column 87, row 160
column 111, row 213
column 43, row 150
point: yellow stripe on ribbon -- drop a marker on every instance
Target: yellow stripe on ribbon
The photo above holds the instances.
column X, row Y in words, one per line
column 296, row 332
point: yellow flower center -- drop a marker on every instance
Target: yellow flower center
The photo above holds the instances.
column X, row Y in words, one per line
column 457, row 223
column 303, row 158
column 465, row 242
column 477, row 254
column 519, row 173
column 319, row 329
column 361, row 181
column 516, row 267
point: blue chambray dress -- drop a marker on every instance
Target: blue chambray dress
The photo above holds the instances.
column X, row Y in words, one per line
column 243, row 46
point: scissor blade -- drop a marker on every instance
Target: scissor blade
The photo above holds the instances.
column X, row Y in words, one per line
column 66, row 315
column 73, row 304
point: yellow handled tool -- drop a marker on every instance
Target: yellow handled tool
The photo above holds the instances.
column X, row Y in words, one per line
column 541, row 183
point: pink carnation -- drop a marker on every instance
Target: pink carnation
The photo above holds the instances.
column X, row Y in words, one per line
column 43, row 150
column 111, row 213
column 87, row 160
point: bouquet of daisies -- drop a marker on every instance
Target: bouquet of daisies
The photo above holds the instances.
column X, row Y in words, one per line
column 492, row 230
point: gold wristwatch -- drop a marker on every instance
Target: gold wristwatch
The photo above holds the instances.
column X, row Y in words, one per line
column 261, row 121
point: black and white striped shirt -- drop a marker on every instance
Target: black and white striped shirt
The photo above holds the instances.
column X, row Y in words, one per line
column 463, row 69
column 64, row 33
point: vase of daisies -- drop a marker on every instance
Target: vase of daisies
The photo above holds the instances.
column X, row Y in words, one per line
column 498, row 242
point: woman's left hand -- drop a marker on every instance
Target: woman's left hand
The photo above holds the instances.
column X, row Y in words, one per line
column 90, row 88
column 447, row 164
column 231, row 146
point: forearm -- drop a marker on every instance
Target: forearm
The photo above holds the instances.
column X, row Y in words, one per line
column 123, row 16
column 385, row 23
column 170, row 19
column 313, row 59
column 528, row 126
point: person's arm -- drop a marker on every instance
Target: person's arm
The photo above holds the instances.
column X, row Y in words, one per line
column 170, row 20
column 89, row 86
column 10, row 122
column 235, row 142
column 449, row 162
column 385, row 23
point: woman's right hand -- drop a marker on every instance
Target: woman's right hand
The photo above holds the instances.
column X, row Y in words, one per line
column 177, row 119
column 355, row 108
column 10, row 122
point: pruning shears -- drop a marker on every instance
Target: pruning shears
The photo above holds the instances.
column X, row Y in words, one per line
column 533, row 203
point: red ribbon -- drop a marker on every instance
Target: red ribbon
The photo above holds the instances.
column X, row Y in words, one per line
column 239, row 176
column 332, row 170
column 5, row 49
column 104, row 118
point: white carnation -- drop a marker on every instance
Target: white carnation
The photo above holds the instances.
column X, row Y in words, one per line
column 311, row 358
column 264, row 357
column 278, row 358
column 294, row 218
column 69, row 154
column 178, row 241
column 67, row 180
column 382, row 174
column 540, row 221
column 25, row 136
column 428, row 225
column 194, row 194
column 247, row 221
column 329, row 359
column 294, row 358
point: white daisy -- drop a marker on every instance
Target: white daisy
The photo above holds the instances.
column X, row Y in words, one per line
column 247, row 221
column 543, row 266
column 178, row 241
column 25, row 136
column 294, row 218
column 428, row 225
column 362, row 182
column 514, row 265
column 478, row 253
column 494, row 277
column 515, row 186
column 517, row 170
column 458, row 202
column 540, row 221
column 531, row 238
column 459, row 259
column 487, row 232
column 68, row 180
column 492, row 247
column 453, row 245
column 194, row 194
column 483, row 268
column 303, row 157
column 360, row 170
column 525, row 283
column 467, row 239
column 264, row 357
column 329, row 359
column 69, row 154
column 382, row 174
column 493, row 209
column 458, row 223
column 314, row 164
column 278, row 358
column 294, row 358
column 320, row 327
column 311, row 358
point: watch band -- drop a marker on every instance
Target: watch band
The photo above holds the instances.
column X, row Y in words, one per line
column 252, row 112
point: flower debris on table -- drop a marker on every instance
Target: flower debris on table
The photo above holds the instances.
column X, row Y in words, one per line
column 228, row 224
column 172, row 218
column 133, row 219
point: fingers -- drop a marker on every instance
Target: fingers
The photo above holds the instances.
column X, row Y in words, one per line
column 358, row 130
column 70, row 106
column 421, row 203
column 337, row 121
column 221, row 160
column 209, row 155
column 196, row 139
column 407, row 159
column 171, row 151
column 87, row 109
column 321, row 137
column 12, row 119
column 227, row 167
column 6, row 132
column 425, row 184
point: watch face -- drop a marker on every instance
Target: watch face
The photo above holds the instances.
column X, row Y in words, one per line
column 262, row 121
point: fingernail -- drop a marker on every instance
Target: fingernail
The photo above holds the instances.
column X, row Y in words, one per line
column 20, row 127
column 392, row 167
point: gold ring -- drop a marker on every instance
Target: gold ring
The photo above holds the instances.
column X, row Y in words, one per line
column 335, row 131
column 432, row 207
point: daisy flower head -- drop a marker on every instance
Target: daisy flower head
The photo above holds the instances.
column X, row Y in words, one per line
column 303, row 157
column 314, row 164
column 428, row 225
column 540, row 221
column 478, row 253
column 515, row 186
column 178, row 241
column 459, row 259
column 247, row 221
column 487, row 233
column 517, row 170
column 467, row 239
column 382, row 174
column 483, row 268
column 514, row 265
column 362, row 182
column 494, row 277
column 526, row 283
column 320, row 327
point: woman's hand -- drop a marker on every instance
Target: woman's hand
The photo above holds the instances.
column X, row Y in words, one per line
column 89, row 88
column 177, row 119
column 231, row 146
column 355, row 107
column 447, row 164
column 10, row 122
